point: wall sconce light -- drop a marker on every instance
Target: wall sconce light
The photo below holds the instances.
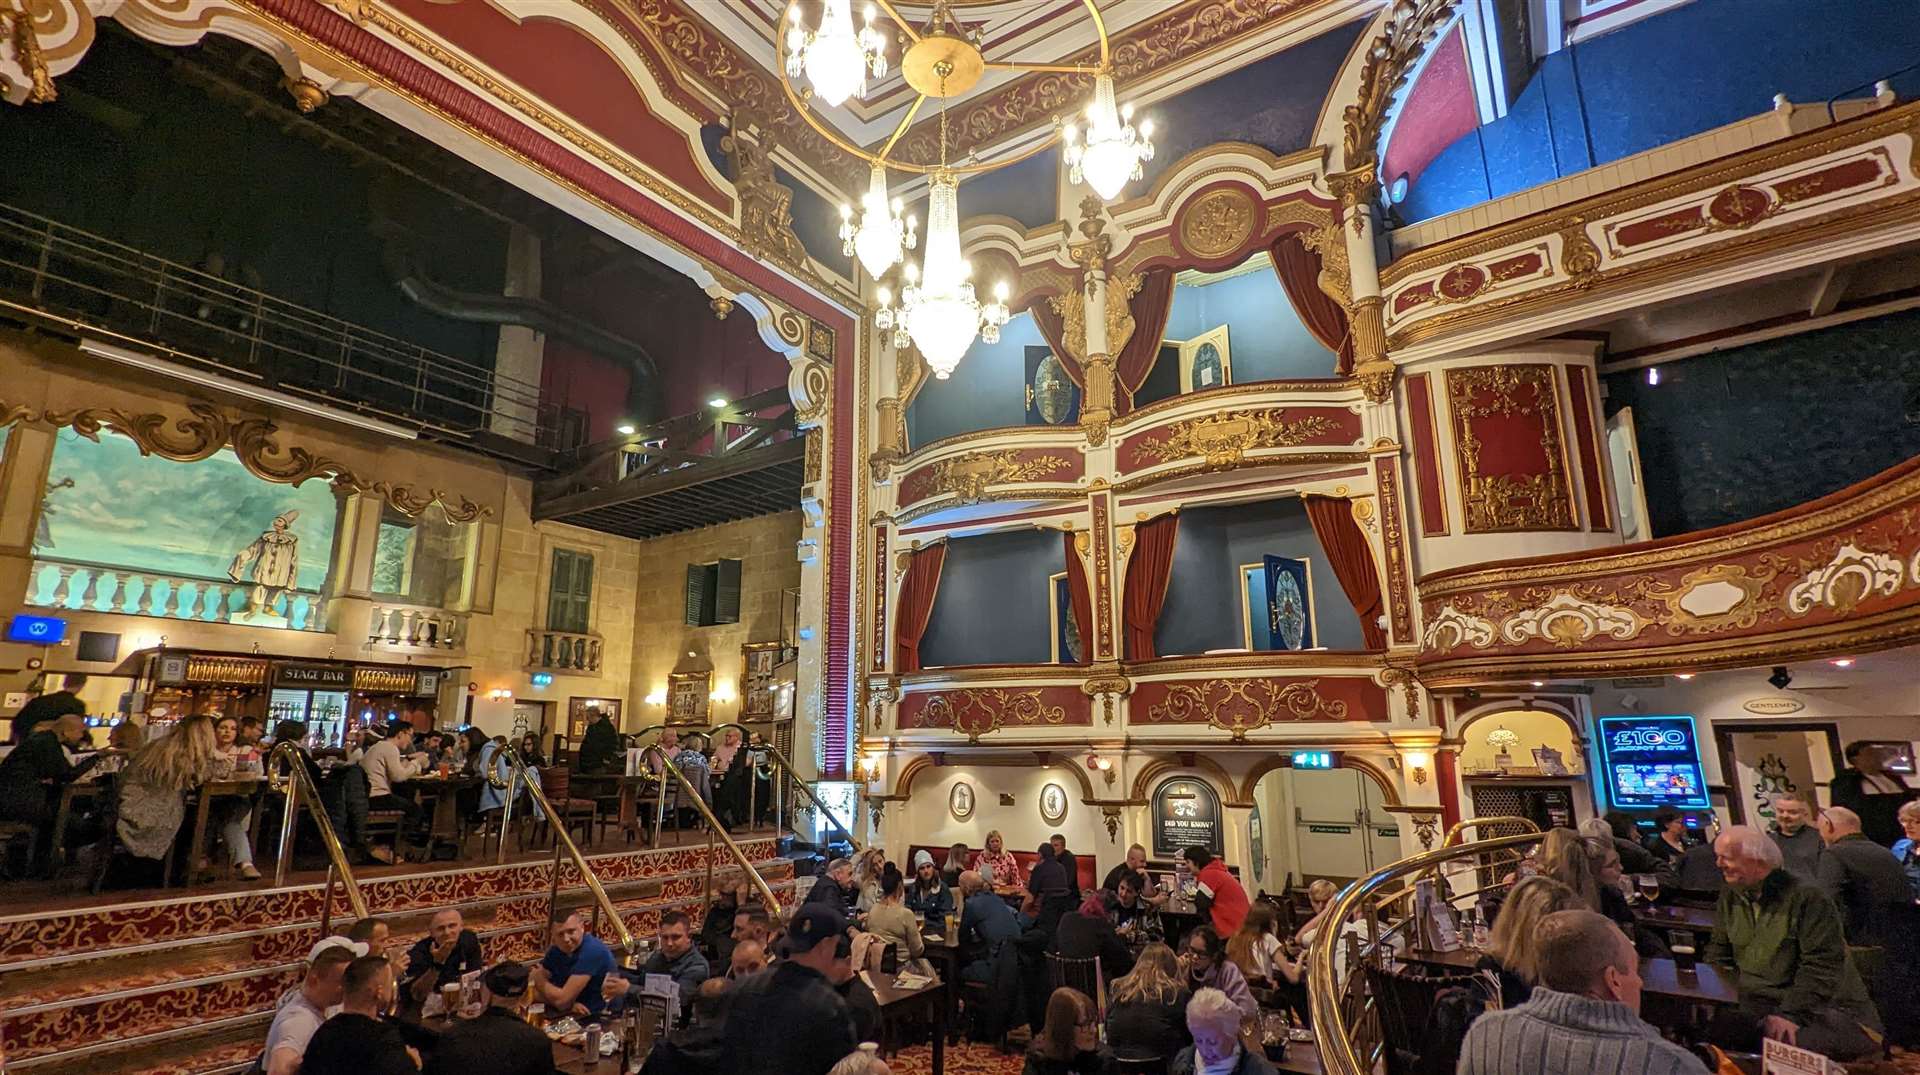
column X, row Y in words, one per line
column 1103, row 766
column 500, row 694
column 658, row 697
column 722, row 691
column 1417, row 762
column 870, row 768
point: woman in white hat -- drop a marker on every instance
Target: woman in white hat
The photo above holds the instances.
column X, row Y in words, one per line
column 928, row 894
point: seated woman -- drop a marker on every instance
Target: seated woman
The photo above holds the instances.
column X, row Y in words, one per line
column 893, row 923
column 153, row 789
column 1135, row 917
column 958, row 862
column 530, row 751
column 929, row 894
column 1256, row 949
column 1204, row 965
column 1068, row 1044
column 1320, row 898
column 1510, row 949
column 1088, row 934
column 998, row 867
column 235, row 815
column 1214, row 1021
column 1147, row 1009
column 867, row 869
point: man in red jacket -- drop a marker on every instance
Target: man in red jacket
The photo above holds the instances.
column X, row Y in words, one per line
column 1221, row 898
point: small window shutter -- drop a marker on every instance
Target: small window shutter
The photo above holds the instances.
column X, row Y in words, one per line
column 560, row 590
column 726, row 605
column 696, row 593
column 582, row 591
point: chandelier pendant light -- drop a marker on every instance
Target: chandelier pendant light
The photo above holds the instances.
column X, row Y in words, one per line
column 1114, row 151
column 884, row 231
column 836, row 59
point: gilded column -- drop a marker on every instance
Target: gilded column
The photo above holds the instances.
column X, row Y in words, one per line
column 1090, row 320
column 887, row 432
column 1365, row 310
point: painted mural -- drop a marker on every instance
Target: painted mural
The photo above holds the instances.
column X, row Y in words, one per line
column 122, row 532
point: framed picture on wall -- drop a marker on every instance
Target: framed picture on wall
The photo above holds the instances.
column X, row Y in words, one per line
column 1053, row 804
column 1276, row 604
column 960, row 801
column 687, row 695
column 1205, row 361
column 584, row 711
column 757, row 662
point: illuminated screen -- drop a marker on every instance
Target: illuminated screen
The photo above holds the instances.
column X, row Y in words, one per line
column 37, row 630
column 1652, row 762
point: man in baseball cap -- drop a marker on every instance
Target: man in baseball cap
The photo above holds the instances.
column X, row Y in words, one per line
column 789, row 1020
column 497, row 1040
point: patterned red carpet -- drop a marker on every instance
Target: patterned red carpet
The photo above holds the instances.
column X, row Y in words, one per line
column 965, row 1058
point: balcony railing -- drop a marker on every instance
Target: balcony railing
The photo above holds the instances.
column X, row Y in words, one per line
column 78, row 585
column 78, row 281
column 566, row 652
column 413, row 627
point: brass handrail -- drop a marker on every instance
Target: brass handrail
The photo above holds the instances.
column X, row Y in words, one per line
column 298, row 781
column 1461, row 826
column 1339, row 1054
column 779, row 759
column 517, row 771
column 714, row 830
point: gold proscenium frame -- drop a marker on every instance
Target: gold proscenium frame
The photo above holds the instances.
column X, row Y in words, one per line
column 941, row 62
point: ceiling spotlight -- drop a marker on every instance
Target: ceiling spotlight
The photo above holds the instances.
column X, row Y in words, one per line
column 1683, row 675
column 1780, row 677
column 1842, row 662
column 626, row 429
column 717, row 402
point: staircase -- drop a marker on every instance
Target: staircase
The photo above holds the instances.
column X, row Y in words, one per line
column 187, row 986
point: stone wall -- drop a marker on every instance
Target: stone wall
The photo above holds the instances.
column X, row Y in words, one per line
column 661, row 639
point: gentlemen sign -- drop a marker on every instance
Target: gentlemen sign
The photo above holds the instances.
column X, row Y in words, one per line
column 1186, row 813
column 321, row 676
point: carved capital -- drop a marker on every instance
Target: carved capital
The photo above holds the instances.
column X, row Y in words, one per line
column 1105, row 683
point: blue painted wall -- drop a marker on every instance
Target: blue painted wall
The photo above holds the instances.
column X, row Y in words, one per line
column 1739, row 433
column 987, row 391
column 1265, row 339
column 992, row 605
column 1665, row 78
column 1203, row 609
column 1273, row 103
column 1026, row 191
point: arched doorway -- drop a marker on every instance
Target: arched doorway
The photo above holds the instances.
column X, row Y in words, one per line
column 1322, row 823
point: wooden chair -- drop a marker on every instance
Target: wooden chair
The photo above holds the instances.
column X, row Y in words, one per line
column 1152, row 1065
column 1404, row 1000
column 556, row 782
column 1081, row 974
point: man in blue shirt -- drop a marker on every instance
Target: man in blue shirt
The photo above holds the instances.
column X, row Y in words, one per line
column 570, row 976
column 986, row 923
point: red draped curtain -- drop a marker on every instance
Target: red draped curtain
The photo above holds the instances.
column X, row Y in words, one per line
column 917, row 591
column 1352, row 561
column 1147, row 573
column 1299, row 272
column 1080, row 601
column 1150, row 307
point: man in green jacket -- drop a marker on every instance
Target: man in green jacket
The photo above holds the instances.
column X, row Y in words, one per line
column 1783, row 939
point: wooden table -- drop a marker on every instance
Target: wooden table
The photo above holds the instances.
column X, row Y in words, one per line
column 896, row 1003
column 239, row 787
column 943, row 951
column 1303, row 1058
column 1706, row 985
column 628, row 788
column 1700, row 920
column 445, row 821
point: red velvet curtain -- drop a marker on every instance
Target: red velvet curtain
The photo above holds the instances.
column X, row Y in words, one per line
column 917, row 591
column 1151, row 305
column 1053, row 329
column 1299, row 272
column 1081, row 601
column 1352, row 561
column 1147, row 573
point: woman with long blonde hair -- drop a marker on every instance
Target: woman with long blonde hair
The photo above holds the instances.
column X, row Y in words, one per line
column 1510, row 948
column 1565, row 858
column 1256, row 949
column 1146, row 1010
column 152, row 791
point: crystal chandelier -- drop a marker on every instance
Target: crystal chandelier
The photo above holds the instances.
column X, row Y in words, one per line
column 938, row 309
column 1113, row 152
column 883, row 232
column 836, row 60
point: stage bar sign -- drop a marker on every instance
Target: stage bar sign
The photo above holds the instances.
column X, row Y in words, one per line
column 317, row 676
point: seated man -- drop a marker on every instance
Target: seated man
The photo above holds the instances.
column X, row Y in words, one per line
column 677, row 958
column 1134, row 918
column 302, row 1013
column 570, row 978
column 749, row 958
column 1584, row 1015
column 835, row 887
column 1784, row 940
column 695, row 1048
column 358, row 1041
column 497, row 1041
column 986, row 923
column 389, row 765
column 750, row 923
column 448, row 951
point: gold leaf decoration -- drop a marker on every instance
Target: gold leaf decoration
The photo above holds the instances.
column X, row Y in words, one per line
column 1224, row 439
column 968, row 476
column 1239, row 706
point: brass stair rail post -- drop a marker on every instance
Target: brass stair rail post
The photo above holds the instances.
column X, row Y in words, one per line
column 562, row 840
column 295, row 783
column 1339, row 1051
column 801, row 785
column 671, row 771
column 1460, row 827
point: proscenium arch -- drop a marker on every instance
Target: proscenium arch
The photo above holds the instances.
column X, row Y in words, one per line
column 1389, row 790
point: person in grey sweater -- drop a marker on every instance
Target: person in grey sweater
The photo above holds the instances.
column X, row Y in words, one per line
column 1584, row 1017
